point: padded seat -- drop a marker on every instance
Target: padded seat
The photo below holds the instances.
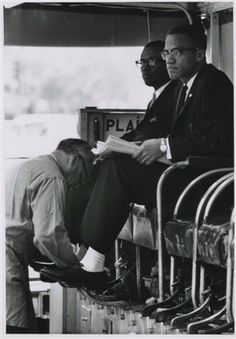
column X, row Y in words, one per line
column 141, row 227
column 179, row 238
column 213, row 243
column 145, row 226
column 127, row 231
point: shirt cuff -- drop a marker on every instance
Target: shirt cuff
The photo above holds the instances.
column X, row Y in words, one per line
column 168, row 152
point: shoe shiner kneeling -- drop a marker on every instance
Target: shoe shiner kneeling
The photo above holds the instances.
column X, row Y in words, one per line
column 36, row 198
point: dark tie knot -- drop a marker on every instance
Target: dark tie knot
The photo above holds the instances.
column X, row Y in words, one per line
column 184, row 89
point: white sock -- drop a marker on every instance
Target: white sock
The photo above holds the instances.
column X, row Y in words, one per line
column 93, row 261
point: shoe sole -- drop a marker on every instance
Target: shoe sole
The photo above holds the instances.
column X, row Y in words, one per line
column 117, row 303
column 61, row 282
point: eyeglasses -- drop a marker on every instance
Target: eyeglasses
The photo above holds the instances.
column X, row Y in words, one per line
column 176, row 52
column 151, row 62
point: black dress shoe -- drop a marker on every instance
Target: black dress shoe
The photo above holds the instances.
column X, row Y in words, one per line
column 119, row 291
column 46, row 279
column 76, row 276
column 39, row 265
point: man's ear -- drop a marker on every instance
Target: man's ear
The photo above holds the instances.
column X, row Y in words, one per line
column 200, row 54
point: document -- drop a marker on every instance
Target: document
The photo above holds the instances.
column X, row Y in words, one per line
column 115, row 144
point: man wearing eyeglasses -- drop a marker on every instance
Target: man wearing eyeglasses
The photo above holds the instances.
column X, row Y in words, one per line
column 158, row 116
column 199, row 123
column 203, row 122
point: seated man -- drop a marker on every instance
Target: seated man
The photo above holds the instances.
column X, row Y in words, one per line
column 201, row 124
column 35, row 222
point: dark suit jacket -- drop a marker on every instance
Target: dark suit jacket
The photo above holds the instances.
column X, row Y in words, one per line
column 158, row 118
column 205, row 123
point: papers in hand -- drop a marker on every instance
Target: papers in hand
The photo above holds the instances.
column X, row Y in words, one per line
column 115, row 144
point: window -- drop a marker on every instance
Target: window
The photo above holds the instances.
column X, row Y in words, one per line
column 61, row 80
column 45, row 85
column 41, row 82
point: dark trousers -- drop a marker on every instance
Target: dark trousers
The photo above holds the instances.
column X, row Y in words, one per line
column 14, row 329
column 120, row 181
column 76, row 203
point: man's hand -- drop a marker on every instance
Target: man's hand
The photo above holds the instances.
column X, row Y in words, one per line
column 149, row 152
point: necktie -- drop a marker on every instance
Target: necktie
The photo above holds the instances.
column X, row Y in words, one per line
column 153, row 100
column 181, row 100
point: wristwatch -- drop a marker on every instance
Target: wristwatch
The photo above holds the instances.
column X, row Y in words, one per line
column 163, row 147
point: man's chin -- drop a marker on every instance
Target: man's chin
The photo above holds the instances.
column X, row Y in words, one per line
column 148, row 82
column 173, row 75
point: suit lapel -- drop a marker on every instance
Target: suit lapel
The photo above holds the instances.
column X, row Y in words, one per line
column 152, row 111
column 185, row 104
column 153, row 108
column 189, row 97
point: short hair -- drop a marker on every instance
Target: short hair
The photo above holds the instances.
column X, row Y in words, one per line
column 194, row 32
column 73, row 146
column 158, row 44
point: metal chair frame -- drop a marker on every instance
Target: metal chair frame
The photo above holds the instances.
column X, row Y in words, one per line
column 205, row 206
column 184, row 196
column 196, row 162
column 227, row 308
column 172, row 309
